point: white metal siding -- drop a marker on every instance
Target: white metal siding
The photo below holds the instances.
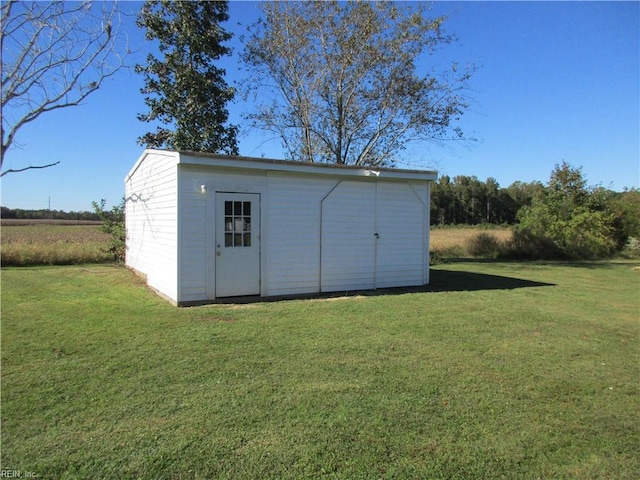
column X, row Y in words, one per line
column 151, row 221
column 292, row 246
column 348, row 242
column 425, row 195
column 192, row 234
column 197, row 224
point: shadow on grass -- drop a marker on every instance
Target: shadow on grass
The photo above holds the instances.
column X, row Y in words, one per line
column 452, row 281
column 591, row 264
column 441, row 281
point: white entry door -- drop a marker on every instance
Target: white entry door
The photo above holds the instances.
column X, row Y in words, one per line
column 237, row 244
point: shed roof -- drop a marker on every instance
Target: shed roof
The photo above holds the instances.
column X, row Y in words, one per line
column 269, row 164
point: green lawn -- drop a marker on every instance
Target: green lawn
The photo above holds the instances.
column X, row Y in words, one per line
column 499, row 370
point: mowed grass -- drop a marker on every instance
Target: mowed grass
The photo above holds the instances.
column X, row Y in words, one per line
column 53, row 244
column 498, row 370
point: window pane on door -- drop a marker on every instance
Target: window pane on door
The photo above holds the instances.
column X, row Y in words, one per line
column 237, row 224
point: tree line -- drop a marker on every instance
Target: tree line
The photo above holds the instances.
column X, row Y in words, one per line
column 46, row 214
column 466, row 200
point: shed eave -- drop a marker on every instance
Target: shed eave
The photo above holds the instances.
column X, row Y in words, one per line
column 250, row 163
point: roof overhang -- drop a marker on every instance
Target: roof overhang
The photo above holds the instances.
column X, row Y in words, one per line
column 267, row 164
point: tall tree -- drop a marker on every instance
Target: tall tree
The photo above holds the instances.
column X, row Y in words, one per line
column 348, row 90
column 185, row 91
column 54, row 55
column 568, row 184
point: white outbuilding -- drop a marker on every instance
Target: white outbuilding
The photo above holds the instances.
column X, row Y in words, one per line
column 203, row 227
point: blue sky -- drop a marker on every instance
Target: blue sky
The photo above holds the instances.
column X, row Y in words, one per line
column 556, row 81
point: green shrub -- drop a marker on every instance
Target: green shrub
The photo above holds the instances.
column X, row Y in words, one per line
column 114, row 225
column 625, row 207
column 632, row 248
column 449, row 251
column 566, row 220
column 435, row 258
column 583, row 235
column 527, row 245
column 588, row 235
column 485, row 245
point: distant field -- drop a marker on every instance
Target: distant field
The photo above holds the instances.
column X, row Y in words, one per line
column 62, row 242
column 53, row 244
column 18, row 222
column 452, row 241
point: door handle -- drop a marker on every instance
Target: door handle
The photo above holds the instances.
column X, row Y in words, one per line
column 218, row 253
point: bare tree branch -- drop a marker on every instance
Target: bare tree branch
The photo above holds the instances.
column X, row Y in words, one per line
column 17, row 170
column 54, row 55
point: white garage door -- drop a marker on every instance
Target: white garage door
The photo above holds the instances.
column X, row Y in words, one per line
column 347, row 238
column 373, row 236
column 401, row 227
